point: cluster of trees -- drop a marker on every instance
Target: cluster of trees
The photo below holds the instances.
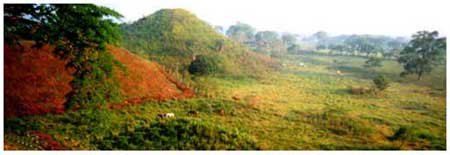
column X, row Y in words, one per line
column 267, row 42
column 360, row 45
column 274, row 43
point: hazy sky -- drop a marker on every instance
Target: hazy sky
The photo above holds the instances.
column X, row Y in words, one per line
column 387, row 17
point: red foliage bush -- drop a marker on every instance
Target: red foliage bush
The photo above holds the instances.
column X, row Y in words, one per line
column 36, row 82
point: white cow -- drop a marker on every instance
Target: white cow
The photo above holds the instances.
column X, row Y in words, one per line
column 166, row 115
column 338, row 72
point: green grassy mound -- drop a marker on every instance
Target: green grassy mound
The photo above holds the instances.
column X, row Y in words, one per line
column 175, row 37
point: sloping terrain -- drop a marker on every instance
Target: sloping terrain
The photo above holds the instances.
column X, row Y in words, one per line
column 143, row 80
column 174, row 37
column 37, row 82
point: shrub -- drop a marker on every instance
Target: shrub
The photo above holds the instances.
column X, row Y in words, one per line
column 412, row 134
column 206, row 65
column 373, row 62
column 381, row 82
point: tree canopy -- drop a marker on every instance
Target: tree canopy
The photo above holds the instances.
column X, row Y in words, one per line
column 422, row 53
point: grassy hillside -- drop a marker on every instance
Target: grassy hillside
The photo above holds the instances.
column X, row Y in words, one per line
column 174, row 37
column 301, row 107
column 37, row 82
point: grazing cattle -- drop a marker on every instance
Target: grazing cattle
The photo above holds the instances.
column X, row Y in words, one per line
column 302, row 64
column 166, row 115
column 338, row 72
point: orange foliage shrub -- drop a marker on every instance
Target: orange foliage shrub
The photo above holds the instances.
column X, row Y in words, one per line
column 36, row 82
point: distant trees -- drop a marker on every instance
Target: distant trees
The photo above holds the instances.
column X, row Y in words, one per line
column 241, row 32
column 422, row 53
column 268, row 42
column 80, row 33
column 294, row 49
column 289, row 39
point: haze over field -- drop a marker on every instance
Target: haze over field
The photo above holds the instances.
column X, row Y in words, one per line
column 381, row 17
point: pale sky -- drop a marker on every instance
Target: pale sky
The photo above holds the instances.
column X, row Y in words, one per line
column 385, row 17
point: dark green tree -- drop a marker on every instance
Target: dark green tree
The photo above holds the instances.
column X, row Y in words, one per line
column 373, row 62
column 422, row 53
column 80, row 33
column 381, row 82
column 206, row 65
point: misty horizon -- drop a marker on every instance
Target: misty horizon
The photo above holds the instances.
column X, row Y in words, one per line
column 394, row 19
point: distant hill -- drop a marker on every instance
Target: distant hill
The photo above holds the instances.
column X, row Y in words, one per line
column 37, row 82
column 174, row 37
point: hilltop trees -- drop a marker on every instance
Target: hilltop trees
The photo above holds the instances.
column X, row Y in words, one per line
column 79, row 33
column 422, row 53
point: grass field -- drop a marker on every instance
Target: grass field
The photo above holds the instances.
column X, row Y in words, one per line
column 309, row 107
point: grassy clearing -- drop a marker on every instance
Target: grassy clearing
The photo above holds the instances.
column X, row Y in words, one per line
column 296, row 108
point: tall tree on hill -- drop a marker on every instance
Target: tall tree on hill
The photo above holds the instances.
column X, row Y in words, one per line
column 422, row 53
column 79, row 33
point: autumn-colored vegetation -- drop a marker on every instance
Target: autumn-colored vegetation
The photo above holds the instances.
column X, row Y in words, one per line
column 36, row 82
column 144, row 80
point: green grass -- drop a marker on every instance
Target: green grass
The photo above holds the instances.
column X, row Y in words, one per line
column 296, row 108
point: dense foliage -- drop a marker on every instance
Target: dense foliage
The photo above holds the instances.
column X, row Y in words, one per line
column 206, row 65
column 36, row 81
column 80, row 33
column 422, row 53
column 381, row 82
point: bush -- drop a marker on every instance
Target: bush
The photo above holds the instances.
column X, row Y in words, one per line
column 206, row 65
column 381, row 82
column 412, row 134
